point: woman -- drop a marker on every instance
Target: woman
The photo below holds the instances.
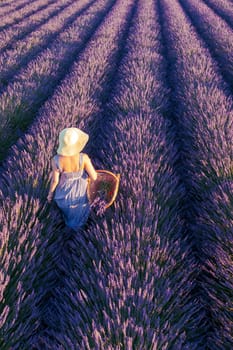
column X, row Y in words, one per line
column 69, row 177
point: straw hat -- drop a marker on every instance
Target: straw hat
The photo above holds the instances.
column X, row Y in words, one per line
column 71, row 141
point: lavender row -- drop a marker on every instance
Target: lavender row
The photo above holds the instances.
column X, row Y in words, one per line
column 18, row 32
column 12, row 6
column 19, row 15
column 217, row 34
column 22, row 250
column 140, row 266
column 66, row 107
column 214, row 222
column 202, row 112
column 33, row 84
column 223, row 8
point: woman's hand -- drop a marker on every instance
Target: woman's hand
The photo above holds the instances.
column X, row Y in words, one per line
column 50, row 197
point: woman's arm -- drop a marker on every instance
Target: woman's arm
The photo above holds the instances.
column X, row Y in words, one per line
column 89, row 168
column 54, row 181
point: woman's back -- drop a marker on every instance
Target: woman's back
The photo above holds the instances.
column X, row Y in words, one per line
column 77, row 163
column 70, row 164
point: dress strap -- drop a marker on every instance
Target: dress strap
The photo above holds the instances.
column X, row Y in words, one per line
column 80, row 161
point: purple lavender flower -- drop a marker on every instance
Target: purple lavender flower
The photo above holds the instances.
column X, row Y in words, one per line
column 99, row 206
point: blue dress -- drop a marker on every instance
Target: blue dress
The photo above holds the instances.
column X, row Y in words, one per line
column 71, row 195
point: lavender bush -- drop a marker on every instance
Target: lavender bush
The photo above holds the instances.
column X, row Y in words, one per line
column 99, row 206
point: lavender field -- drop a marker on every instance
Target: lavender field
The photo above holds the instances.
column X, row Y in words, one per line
column 151, row 82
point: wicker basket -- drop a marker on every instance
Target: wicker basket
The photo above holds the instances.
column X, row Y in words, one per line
column 105, row 187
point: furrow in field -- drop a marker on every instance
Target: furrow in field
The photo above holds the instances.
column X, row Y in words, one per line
column 69, row 106
column 16, row 34
column 136, row 292
column 202, row 113
column 216, row 33
column 21, row 15
column 35, row 83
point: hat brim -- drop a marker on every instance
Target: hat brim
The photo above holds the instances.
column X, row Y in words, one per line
column 71, row 150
